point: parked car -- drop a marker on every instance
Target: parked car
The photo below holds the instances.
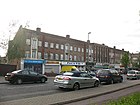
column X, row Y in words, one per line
column 76, row 80
column 109, row 76
column 133, row 74
column 20, row 76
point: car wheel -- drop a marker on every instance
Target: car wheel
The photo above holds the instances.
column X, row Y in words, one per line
column 43, row 80
column 96, row 84
column 76, row 86
column 19, row 81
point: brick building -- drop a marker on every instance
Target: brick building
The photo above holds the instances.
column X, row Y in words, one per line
column 43, row 47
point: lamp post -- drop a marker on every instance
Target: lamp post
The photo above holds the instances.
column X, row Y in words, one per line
column 88, row 42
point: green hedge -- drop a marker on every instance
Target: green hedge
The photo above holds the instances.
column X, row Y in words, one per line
column 133, row 99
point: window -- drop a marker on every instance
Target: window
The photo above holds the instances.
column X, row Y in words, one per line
column 33, row 73
column 52, row 45
column 61, row 57
column 25, row 72
column 39, row 55
column 57, row 46
column 56, row 56
column 28, row 41
column 91, row 51
column 27, row 54
column 74, row 58
column 75, row 49
column 82, row 49
column 71, row 48
column 33, row 54
column 86, row 50
column 66, row 47
column 66, row 57
column 70, row 58
column 46, row 44
column 84, row 75
column 34, row 44
column 62, row 47
column 45, row 55
column 78, row 49
column 51, row 56
column 82, row 58
column 39, row 43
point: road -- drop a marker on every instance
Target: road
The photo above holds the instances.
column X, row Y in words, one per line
column 101, row 100
column 12, row 92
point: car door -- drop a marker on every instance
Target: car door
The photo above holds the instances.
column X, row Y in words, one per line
column 33, row 76
column 86, row 80
column 25, row 76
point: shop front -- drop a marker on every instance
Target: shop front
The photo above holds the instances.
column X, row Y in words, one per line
column 52, row 67
column 35, row 65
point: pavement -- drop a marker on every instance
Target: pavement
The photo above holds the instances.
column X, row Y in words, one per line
column 72, row 96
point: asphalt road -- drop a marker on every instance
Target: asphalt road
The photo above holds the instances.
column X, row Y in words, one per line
column 12, row 92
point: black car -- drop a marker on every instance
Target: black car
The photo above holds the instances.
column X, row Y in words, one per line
column 109, row 76
column 20, row 76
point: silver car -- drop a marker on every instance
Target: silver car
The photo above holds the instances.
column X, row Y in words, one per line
column 76, row 80
column 133, row 74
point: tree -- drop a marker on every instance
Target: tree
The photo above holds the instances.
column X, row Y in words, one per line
column 125, row 60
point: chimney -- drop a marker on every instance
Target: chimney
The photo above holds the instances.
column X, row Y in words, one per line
column 38, row 29
column 67, row 36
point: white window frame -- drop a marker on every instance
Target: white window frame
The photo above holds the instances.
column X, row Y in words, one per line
column 45, row 55
column 75, row 48
column 51, row 45
column 46, row 44
column 40, row 43
column 62, row 47
column 79, row 49
column 57, row 46
column 61, row 57
column 56, row 56
column 39, row 55
column 28, row 41
column 82, row 49
column 51, row 56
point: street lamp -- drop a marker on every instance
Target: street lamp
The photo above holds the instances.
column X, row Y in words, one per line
column 88, row 42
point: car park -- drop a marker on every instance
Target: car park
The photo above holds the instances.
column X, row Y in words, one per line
column 133, row 74
column 76, row 80
column 20, row 76
column 109, row 76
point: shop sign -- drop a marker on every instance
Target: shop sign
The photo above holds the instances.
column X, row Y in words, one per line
column 34, row 61
column 74, row 63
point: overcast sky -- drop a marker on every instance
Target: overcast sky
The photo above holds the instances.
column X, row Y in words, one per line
column 112, row 22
